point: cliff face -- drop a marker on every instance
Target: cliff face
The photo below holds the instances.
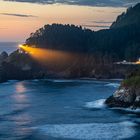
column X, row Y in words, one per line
column 2, row 75
column 125, row 97
column 3, row 57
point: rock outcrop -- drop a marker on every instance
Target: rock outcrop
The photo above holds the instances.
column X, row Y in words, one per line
column 2, row 75
column 3, row 57
column 128, row 95
column 122, row 98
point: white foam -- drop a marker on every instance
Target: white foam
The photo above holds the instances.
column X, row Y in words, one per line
column 117, row 80
column 129, row 110
column 115, row 85
column 96, row 104
column 63, row 81
column 35, row 80
column 132, row 110
column 90, row 131
column 78, row 81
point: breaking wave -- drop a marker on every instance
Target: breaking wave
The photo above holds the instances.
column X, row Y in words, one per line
column 121, row 130
column 98, row 104
column 115, row 85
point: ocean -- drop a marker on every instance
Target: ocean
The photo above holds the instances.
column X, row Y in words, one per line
column 8, row 46
column 54, row 109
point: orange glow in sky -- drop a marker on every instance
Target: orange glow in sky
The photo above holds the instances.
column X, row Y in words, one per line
column 18, row 20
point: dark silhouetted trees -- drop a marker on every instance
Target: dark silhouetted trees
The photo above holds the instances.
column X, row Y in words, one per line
column 121, row 41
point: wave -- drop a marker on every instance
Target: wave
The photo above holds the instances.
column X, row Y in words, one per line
column 35, row 80
column 90, row 80
column 132, row 110
column 115, row 85
column 10, row 82
column 78, row 81
column 90, row 131
column 98, row 104
column 62, row 81
column 128, row 110
column 116, row 80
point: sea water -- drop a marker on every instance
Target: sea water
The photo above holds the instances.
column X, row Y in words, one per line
column 54, row 109
column 8, row 47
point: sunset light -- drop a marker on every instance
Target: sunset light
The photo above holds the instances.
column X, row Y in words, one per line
column 138, row 62
column 32, row 16
column 65, row 64
column 54, row 59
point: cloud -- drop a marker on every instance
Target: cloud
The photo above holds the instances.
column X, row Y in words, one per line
column 113, row 3
column 17, row 15
column 103, row 22
column 96, row 26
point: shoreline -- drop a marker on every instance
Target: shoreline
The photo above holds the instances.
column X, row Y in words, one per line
column 69, row 79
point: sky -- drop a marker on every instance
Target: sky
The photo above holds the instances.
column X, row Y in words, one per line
column 19, row 18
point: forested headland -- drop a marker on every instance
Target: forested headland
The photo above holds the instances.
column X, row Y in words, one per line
column 93, row 54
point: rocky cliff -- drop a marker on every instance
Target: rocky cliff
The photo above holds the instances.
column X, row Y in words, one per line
column 128, row 94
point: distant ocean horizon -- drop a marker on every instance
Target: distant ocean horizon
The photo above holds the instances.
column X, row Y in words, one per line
column 8, row 47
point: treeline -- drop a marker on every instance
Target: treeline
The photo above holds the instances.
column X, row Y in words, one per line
column 121, row 41
column 131, row 16
column 62, row 37
column 90, row 54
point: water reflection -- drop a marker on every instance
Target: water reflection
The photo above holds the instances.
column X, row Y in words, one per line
column 22, row 123
column 20, row 96
column 20, row 117
column 20, row 87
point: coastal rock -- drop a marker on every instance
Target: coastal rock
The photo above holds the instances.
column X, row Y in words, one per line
column 123, row 97
column 137, row 102
column 128, row 94
column 2, row 75
column 3, row 56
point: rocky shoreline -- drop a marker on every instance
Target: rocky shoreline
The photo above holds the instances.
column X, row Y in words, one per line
column 20, row 66
column 128, row 94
